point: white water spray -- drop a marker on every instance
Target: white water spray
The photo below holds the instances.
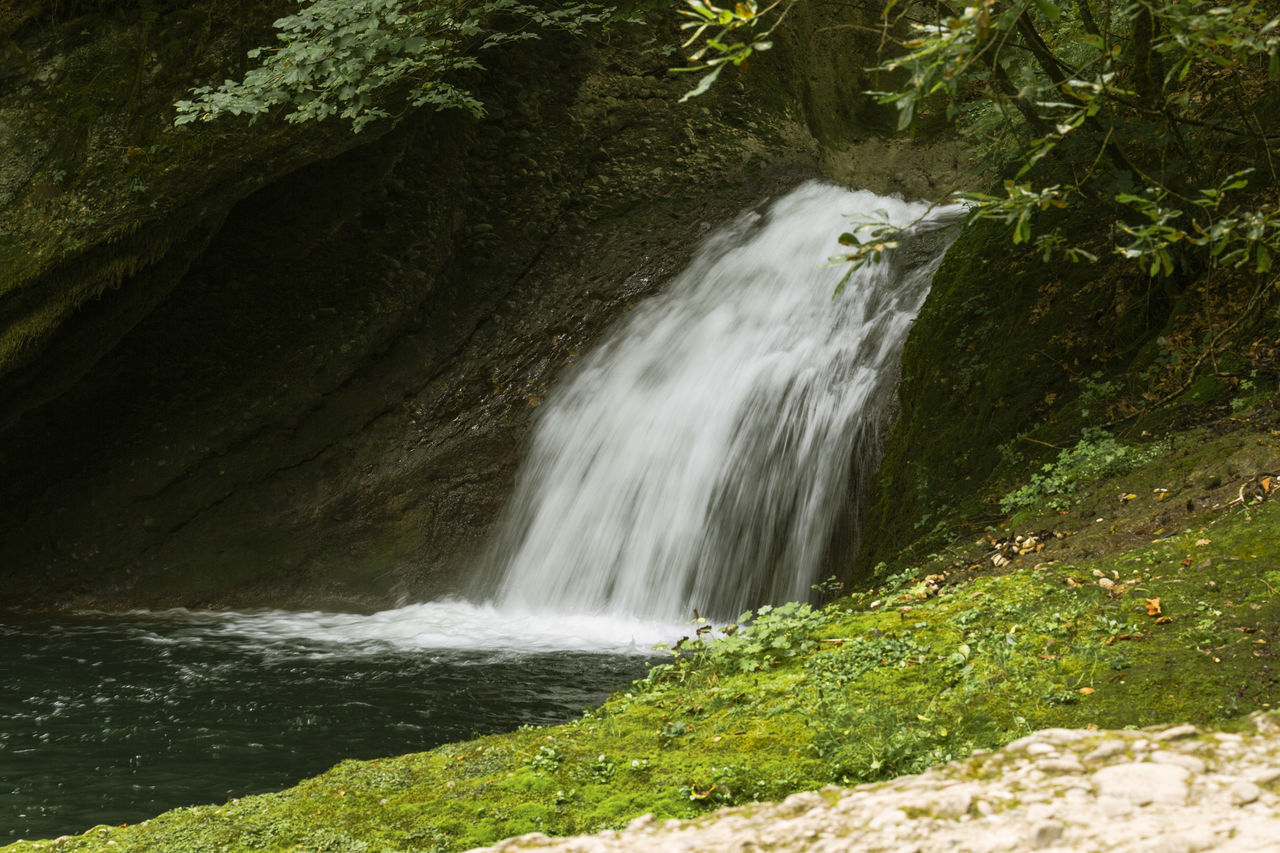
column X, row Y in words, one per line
column 699, row 459
column 703, row 455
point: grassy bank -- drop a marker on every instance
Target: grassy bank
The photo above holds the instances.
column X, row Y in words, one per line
column 1105, row 618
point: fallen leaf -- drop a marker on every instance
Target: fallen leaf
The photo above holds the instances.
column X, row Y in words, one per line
column 1085, row 691
column 1153, row 606
column 1164, row 620
column 1200, row 543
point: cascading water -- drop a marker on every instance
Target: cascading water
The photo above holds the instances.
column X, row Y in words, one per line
column 701, row 457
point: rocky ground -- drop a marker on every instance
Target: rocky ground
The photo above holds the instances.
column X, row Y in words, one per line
column 1174, row 789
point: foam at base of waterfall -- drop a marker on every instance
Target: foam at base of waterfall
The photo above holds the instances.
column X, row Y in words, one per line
column 438, row 625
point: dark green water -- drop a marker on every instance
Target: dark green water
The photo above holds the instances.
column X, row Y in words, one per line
column 114, row 719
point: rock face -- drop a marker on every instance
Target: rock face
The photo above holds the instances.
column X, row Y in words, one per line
column 284, row 365
column 1169, row 788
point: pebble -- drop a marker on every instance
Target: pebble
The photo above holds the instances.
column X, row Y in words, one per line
column 1243, row 793
column 1143, row 783
column 1188, row 762
column 1106, row 749
column 1070, row 764
column 1177, row 732
column 1058, row 791
column 1046, row 833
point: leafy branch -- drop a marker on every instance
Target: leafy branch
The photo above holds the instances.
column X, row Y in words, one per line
column 717, row 50
column 1161, row 116
column 341, row 58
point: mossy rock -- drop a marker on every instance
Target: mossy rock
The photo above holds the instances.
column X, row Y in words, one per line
column 992, row 377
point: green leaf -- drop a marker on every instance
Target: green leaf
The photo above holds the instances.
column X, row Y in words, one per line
column 1264, row 258
column 1048, row 9
column 704, row 84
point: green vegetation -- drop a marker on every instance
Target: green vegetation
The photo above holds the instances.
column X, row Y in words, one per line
column 1177, row 627
column 1097, row 454
column 343, row 57
column 1157, row 117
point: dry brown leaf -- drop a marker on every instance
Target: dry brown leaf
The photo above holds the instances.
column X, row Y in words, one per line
column 1153, row 606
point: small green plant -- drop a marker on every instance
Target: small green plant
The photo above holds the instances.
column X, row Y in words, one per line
column 602, row 769
column 673, row 731
column 772, row 635
column 860, row 655
column 547, row 760
column 1096, row 392
column 1097, row 454
column 828, row 589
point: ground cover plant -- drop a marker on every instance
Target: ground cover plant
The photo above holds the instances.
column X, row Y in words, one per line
column 1179, row 625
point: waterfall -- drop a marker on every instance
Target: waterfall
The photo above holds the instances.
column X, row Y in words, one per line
column 702, row 456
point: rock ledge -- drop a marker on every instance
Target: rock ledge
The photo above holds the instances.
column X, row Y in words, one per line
column 1175, row 789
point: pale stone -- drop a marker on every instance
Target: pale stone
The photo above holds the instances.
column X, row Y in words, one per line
column 953, row 802
column 1111, row 806
column 1267, row 776
column 1190, row 762
column 1037, row 812
column 1046, row 833
column 1265, row 722
column 1107, row 749
column 888, row 817
column 1066, row 764
column 1062, row 737
column 1243, row 793
column 645, row 821
column 1021, row 743
column 800, row 803
column 1177, row 732
column 1143, row 783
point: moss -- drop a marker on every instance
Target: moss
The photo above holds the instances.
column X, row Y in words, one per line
column 899, row 681
column 996, row 378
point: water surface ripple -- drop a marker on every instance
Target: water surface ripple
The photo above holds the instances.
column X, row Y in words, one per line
column 116, row 718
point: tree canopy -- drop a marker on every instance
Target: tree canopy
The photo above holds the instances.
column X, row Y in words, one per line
column 346, row 58
column 1161, row 116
